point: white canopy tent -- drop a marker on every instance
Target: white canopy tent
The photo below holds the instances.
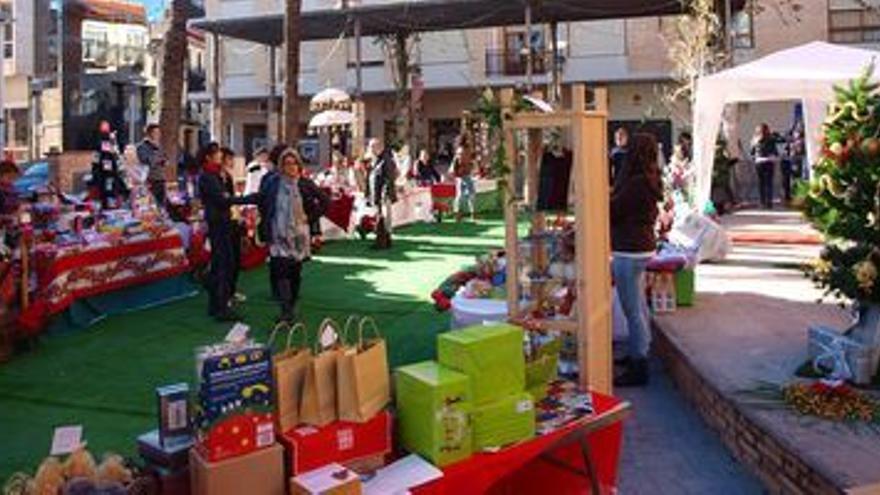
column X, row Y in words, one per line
column 807, row 73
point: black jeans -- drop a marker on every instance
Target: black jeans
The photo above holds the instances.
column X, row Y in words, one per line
column 157, row 189
column 287, row 274
column 765, row 182
column 787, row 169
column 235, row 238
column 220, row 276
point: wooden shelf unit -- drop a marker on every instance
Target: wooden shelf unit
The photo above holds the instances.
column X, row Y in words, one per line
column 588, row 141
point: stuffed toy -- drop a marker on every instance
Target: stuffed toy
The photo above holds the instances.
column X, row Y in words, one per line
column 112, row 469
column 49, row 478
column 80, row 464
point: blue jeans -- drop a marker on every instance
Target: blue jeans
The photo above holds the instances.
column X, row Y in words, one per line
column 629, row 277
column 465, row 194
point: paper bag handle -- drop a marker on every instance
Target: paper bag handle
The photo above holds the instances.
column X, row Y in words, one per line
column 291, row 329
column 366, row 321
column 350, row 324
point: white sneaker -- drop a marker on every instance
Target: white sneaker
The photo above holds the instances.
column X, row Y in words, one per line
column 239, row 297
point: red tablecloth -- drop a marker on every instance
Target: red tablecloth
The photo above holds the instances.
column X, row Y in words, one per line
column 71, row 273
column 340, row 209
column 520, row 469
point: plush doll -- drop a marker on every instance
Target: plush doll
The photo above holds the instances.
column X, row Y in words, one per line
column 19, row 484
column 80, row 464
column 112, row 469
column 49, row 478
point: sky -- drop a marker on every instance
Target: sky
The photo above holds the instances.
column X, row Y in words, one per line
column 154, row 7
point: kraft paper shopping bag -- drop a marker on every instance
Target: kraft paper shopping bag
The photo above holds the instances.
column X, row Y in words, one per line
column 363, row 383
column 289, row 369
column 318, row 405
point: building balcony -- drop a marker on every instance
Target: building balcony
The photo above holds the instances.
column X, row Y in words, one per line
column 101, row 55
column 509, row 63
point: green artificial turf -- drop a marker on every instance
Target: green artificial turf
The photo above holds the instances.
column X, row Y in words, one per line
column 104, row 377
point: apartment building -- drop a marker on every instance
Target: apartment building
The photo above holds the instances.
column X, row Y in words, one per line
column 25, row 57
column 629, row 57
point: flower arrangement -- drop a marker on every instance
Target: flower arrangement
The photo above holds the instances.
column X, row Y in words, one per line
column 842, row 200
column 834, row 401
column 488, row 272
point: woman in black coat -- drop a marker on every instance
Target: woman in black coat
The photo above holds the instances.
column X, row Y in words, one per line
column 637, row 190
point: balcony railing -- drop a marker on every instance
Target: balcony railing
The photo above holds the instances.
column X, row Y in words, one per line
column 103, row 55
column 509, row 63
column 195, row 80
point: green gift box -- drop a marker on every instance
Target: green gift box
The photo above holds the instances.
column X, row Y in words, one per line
column 504, row 421
column 684, row 287
column 433, row 410
column 491, row 356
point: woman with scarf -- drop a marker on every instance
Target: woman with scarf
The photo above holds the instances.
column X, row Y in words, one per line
column 288, row 204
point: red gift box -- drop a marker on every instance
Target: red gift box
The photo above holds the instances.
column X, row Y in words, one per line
column 237, row 435
column 308, row 447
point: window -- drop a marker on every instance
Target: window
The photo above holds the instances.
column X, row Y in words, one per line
column 8, row 32
column 853, row 22
column 742, row 28
column 95, row 45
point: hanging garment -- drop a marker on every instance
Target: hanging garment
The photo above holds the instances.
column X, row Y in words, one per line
column 554, row 179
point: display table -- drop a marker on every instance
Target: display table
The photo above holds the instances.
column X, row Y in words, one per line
column 466, row 312
column 580, row 457
column 69, row 273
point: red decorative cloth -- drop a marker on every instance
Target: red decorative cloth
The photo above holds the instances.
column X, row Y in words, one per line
column 339, row 210
column 519, row 469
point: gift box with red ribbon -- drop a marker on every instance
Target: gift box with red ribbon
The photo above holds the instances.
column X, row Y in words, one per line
column 308, row 447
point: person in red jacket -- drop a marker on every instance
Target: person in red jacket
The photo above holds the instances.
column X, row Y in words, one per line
column 634, row 197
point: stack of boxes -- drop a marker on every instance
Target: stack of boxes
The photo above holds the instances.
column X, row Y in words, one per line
column 472, row 399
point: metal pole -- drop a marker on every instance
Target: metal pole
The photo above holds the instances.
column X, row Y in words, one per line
column 529, row 63
column 554, row 63
column 215, row 88
column 728, row 31
column 4, row 20
column 272, row 90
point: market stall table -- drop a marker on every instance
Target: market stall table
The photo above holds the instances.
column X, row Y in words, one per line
column 70, row 273
column 579, row 457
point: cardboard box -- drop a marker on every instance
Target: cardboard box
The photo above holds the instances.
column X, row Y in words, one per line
column 171, row 457
column 260, row 472
column 504, row 421
column 685, row 282
column 332, row 479
column 433, row 407
column 491, row 356
column 235, row 411
column 311, row 447
column 170, row 482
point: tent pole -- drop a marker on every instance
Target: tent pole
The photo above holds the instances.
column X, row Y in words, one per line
column 530, row 68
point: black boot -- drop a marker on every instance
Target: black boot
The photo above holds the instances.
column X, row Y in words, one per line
column 635, row 374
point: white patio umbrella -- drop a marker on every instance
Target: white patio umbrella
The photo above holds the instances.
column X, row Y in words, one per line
column 330, row 99
column 331, row 120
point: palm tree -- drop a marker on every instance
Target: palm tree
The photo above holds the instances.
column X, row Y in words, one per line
column 173, row 60
column 291, row 82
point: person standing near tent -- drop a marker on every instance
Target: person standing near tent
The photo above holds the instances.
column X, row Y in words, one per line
column 637, row 190
column 765, row 155
column 465, row 188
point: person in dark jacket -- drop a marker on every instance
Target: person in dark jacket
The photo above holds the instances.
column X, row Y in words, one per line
column 618, row 153
column 288, row 204
column 765, row 155
column 381, row 188
column 425, row 173
column 226, row 173
column 152, row 157
column 218, row 202
column 637, row 190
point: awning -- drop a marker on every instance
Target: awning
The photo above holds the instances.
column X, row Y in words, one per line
column 432, row 15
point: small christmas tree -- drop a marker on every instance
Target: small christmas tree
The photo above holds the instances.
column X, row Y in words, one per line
column 843, row 202
column 843, row 197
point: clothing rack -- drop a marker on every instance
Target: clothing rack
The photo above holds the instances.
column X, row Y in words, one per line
column 588, row 141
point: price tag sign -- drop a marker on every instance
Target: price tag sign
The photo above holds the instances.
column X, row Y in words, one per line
column 66, row 439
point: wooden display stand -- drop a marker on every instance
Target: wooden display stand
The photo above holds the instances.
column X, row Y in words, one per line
column 588, row 141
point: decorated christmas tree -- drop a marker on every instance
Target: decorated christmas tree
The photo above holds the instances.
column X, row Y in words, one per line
column 842, row 201
column 843, row 197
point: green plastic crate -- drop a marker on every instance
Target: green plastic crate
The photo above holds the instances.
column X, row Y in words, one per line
column 504, row 421
column 685, row 280
column 491, row 356
column 433, row 411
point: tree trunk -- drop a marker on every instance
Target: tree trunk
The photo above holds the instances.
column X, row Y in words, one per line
column 403, row 110
column 173, row 58
column 292, row 33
